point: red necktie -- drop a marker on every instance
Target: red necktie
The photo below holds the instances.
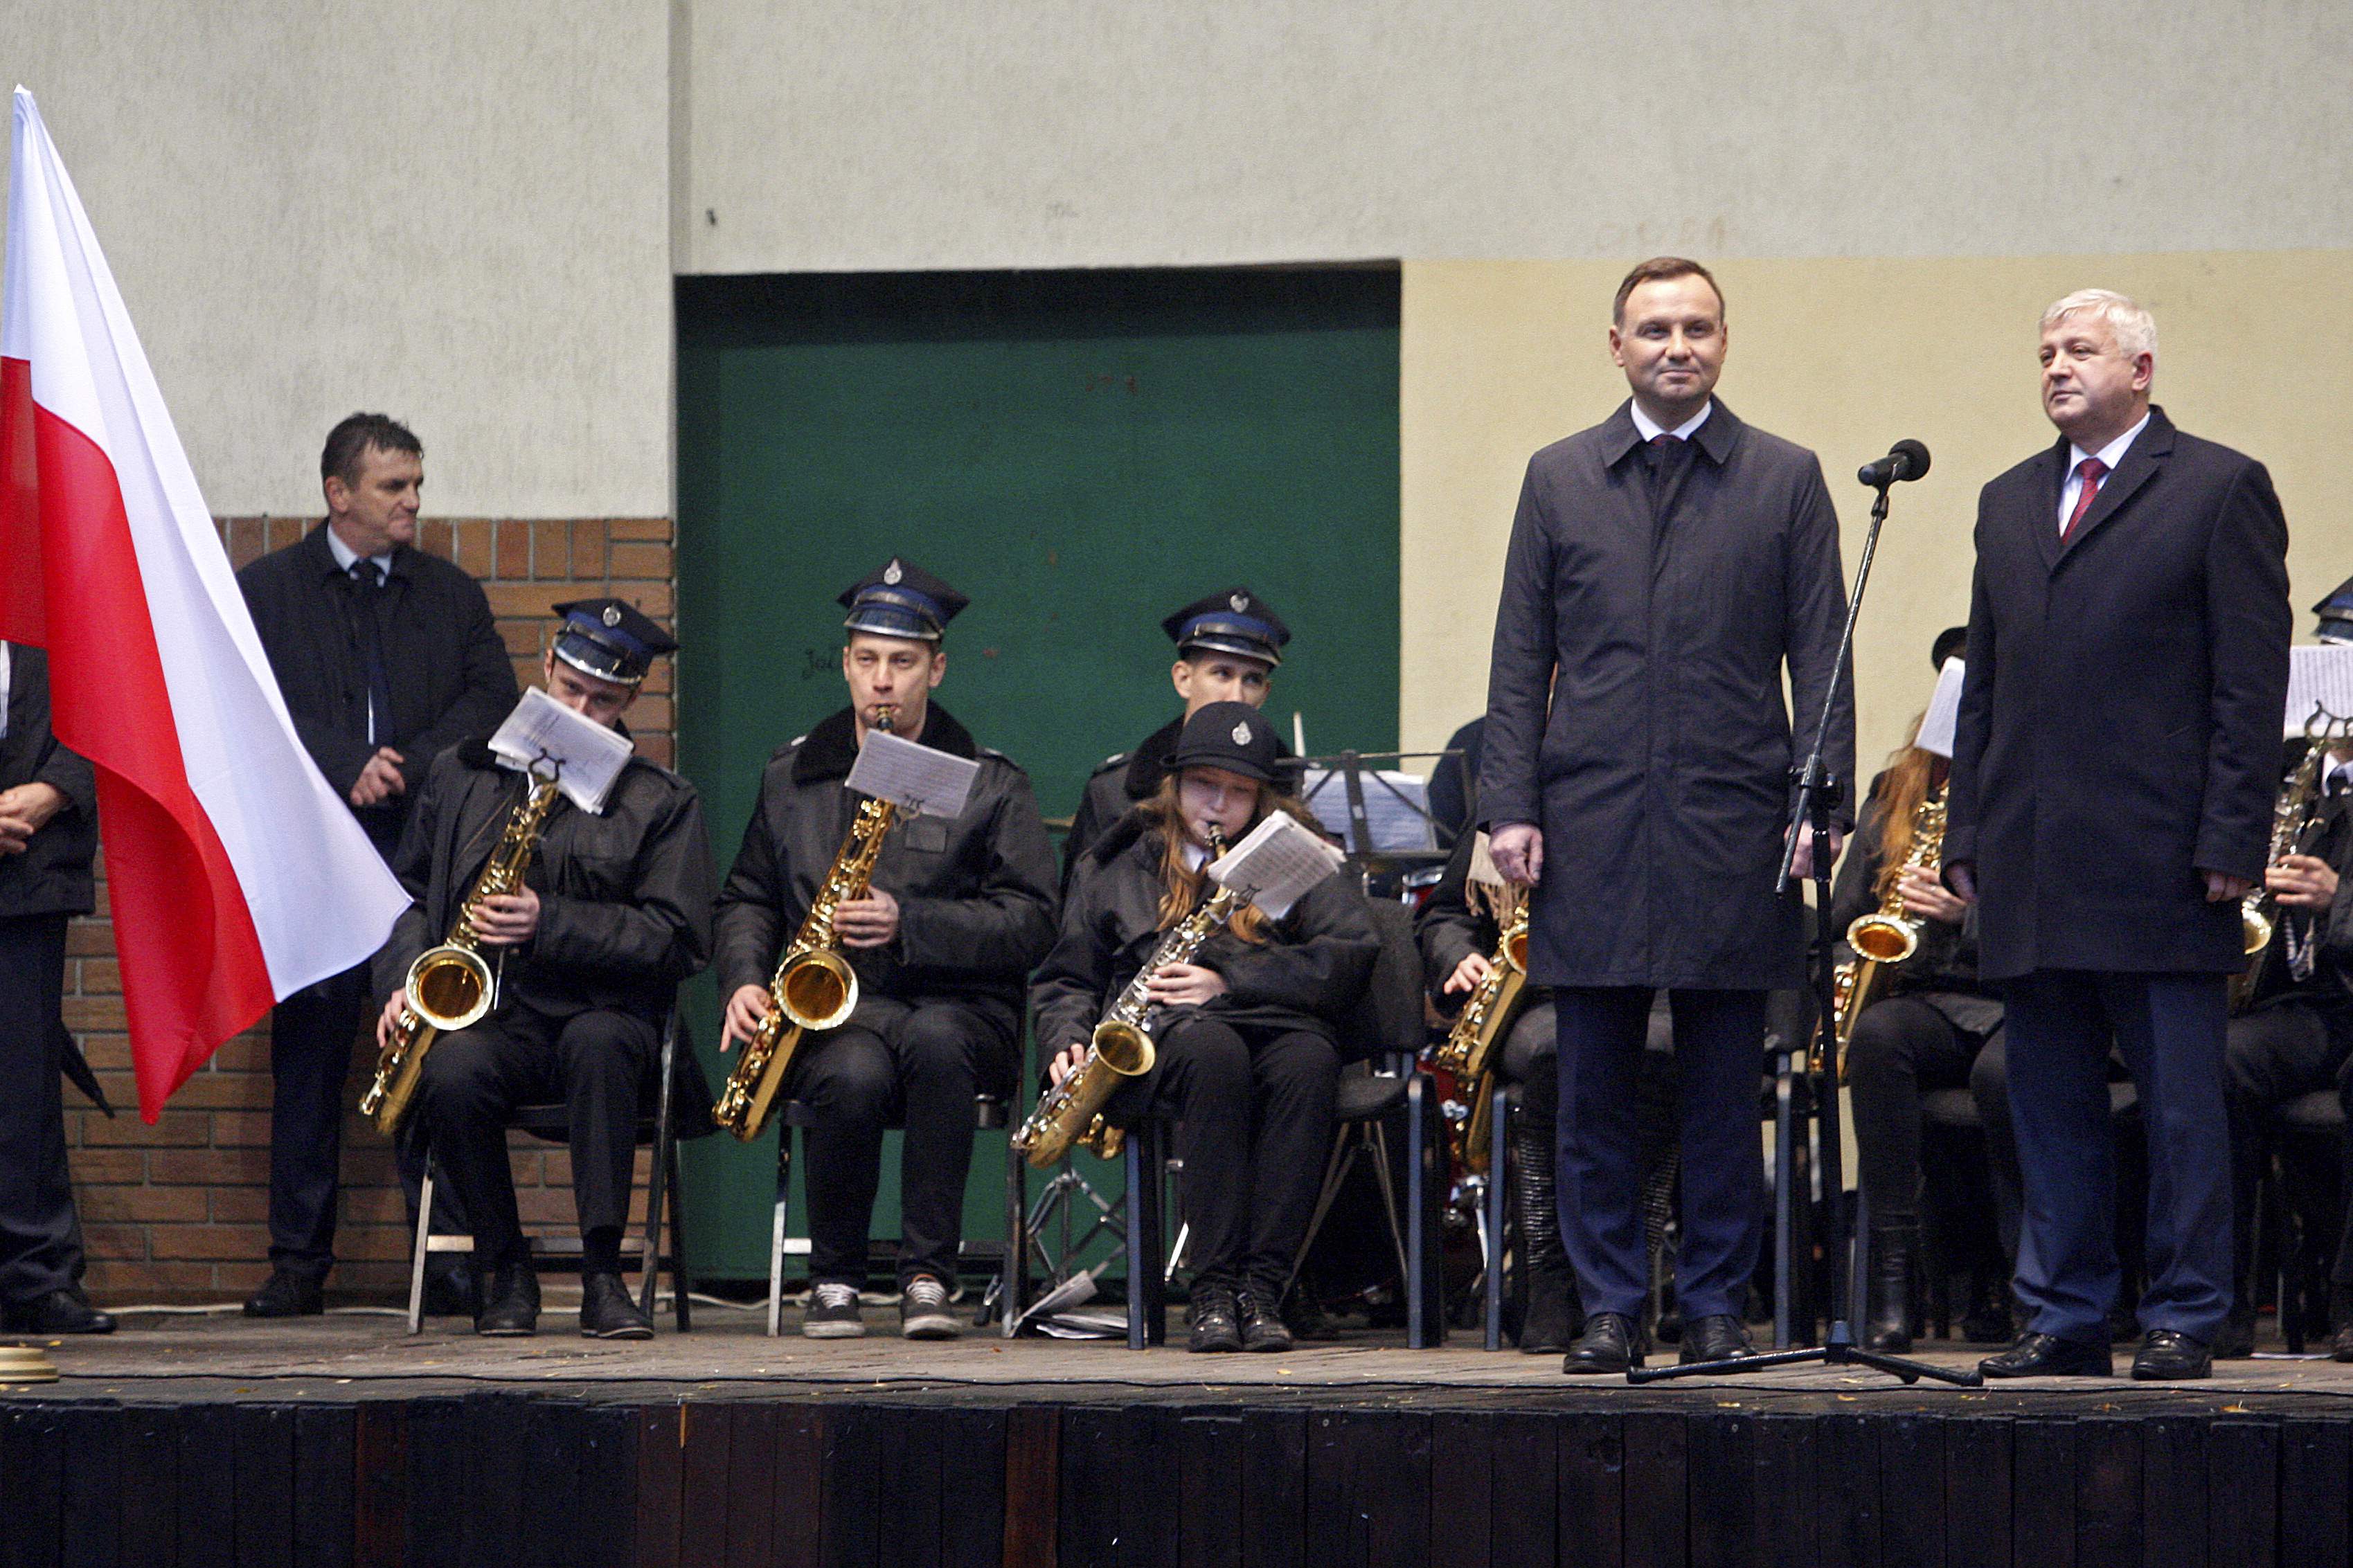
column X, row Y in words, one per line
column 2090, row 471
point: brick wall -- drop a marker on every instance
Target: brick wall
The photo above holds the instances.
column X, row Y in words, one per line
column 178, row 1212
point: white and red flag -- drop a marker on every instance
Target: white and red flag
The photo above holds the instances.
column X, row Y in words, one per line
column 235, row 874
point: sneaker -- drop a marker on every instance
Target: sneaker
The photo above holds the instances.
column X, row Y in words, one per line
column 924, row 1310
column 833, row 1314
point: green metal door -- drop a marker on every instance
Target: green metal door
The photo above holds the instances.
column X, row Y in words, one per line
column 1078, row 452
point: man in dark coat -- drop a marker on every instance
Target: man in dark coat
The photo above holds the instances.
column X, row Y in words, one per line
column 1228, row 645
column 958, row 914
column 1663, row 565
column 614, row 912
column 49, row 833
column 385, row 656
column 2113, row 774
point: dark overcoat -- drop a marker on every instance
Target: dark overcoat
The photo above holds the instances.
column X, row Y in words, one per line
column 2120, row 731
column 625, row 895
column 52, row 876
column 975, row 893
column 447, row 666
column 1658, row 764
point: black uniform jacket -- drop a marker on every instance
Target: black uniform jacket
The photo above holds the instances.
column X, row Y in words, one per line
column 625, row 895
column 1121, row 781
column 1449, row 930
column 449, row 672
column 976, row 894
column 1943, row 970
column 1311, row 974
column 52, row 875
column 2120, row 730
column 1658, row 764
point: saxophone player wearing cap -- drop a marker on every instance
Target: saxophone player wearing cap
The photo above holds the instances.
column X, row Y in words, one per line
column 1249, row 1049
column 954, row 917
column 615, row 912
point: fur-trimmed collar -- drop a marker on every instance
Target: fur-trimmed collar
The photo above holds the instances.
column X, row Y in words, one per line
column 1121, row 837
column 1148, row 763
column 828, row 750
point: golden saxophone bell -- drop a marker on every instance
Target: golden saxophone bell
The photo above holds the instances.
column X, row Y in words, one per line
column 451, row 988
column 818, row 990
column 2254, row 931
column 1882, row 939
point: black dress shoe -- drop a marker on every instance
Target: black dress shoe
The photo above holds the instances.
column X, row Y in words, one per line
column 2048, row 1355
column 2168, row 1355
column 607, row 1312
column 286, row 1294
column 1609, row 1344
column 1717, row 1337
column 450, row 1288
column 2236, row 1340
column 511, row 1308
column 2340, row 1343
column 1262, row 1331
column 1217, row 1326
column 65, row 1311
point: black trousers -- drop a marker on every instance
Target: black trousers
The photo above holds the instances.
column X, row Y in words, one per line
column 1901, row 1048
column 311, row 1039
column 593, row 1063
column 2270, row 1056
column 917, row 1067
column 40, row 1238
column 1254, row 1108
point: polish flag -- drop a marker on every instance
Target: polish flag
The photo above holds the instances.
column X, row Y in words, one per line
column 235, row 874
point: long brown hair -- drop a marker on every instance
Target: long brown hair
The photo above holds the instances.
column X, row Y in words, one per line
column 1180, row 883
column 1911, row 775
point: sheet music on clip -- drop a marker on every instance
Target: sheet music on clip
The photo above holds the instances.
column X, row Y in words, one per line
column 1279, row 861
column 911, row 776
column 2320, row 679
column 543, row 733
column 1944, row 711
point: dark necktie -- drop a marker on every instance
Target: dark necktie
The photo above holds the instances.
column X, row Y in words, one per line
column 1662, row 449
column 370, row 578
column 2090, row 471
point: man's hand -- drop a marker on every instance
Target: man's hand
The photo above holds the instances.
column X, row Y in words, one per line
column 1469, row 974
column 506, row 920
column 393, row 1006
column 1517, row 850
column 2303, row 882
column 2221, row 887
column 1929, row 898
column 746, row 1011
column 380, row 780
column 1066, row 1064
column 1183, row 986
column 25, row 811
column 1801, row 865
column 869, row 922
column 1962, row 877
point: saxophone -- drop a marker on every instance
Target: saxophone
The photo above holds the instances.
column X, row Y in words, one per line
column 1887, row 936
column 2291, row 821
column 1468, row 1049
column 1120, row 1048
column 452, row 986
column 814, row 988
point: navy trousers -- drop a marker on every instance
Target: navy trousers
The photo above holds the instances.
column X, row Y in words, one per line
column 40, row 1238
column 1719, row 1057
column 2170, row 1029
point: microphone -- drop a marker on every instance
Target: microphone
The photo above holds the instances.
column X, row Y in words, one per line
column 1907, row 460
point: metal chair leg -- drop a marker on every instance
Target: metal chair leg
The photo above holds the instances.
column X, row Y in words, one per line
column 424, row 1239
column 1785, row 1166
column 777, row 1231
column 1498, row 1178
column 1147, row 1306
column 1425, row 1278
column 679, row 1274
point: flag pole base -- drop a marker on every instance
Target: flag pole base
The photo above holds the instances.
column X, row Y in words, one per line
column 25, row 1364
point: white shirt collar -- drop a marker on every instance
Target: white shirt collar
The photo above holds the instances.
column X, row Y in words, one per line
column 1651, row 429
column 1194, row 856
column 345, row 554
column 2110, row 455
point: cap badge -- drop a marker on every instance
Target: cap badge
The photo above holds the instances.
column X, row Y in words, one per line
column 1243, row 734
column 612, row 615
column 1240, row 602
column 891, row 573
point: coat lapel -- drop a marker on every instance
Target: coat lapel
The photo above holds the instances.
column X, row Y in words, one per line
column 2142, row 458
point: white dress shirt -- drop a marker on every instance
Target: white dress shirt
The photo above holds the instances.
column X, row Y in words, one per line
column 1651, row 429
column 2111, row 454
column 345, row 554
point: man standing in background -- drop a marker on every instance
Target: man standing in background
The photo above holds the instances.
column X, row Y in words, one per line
column 385, row 656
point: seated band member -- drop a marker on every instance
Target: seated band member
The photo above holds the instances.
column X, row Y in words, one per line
column 614, row 912
column 1929, row 1021
column 958, row 914
column 1247, row 1059
column 1228, row 645
column 1458, row 940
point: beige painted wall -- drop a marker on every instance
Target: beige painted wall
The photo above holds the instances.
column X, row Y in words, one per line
column 1845, row 356
column 452, row 212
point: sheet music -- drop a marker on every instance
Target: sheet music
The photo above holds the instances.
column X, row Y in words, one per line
column 2317, row 678
column 1944, row 711
column 1482, row 862
column 917, row 778
column 1279, row 860
column 543, row 733
column 1396, row 807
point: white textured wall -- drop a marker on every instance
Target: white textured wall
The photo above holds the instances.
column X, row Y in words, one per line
column 456, row 213
column 1083, row 133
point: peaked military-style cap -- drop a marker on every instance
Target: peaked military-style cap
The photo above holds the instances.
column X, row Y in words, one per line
column 2335, row 613
column 1233, row 621
column 901, row 600
column 611, row 640
column 1234, row 736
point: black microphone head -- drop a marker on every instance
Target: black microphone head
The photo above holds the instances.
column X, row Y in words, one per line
column 1915, row 455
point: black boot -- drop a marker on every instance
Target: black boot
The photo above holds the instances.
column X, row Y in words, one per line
column 1887, row 1312
column 1552, row 1317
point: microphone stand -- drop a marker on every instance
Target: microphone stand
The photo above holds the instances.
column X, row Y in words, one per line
column 1817, row 793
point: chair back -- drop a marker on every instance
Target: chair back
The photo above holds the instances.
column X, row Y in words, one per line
column 1388, row 1019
